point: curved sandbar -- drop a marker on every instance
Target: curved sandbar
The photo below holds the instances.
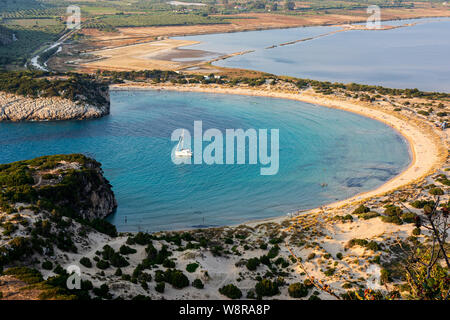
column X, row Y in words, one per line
column 426, row 144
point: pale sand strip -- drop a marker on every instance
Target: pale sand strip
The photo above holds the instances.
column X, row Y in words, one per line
column 427, row 145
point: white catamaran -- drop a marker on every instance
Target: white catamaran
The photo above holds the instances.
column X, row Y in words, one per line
column 179, row 151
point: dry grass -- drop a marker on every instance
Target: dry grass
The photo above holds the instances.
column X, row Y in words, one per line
column 12, row 289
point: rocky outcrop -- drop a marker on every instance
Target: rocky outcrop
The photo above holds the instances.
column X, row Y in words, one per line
column 19, row 108
column 52, row 204
column 96, row 198
column 73, row 185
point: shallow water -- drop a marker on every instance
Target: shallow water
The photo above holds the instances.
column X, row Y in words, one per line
column 410, row 57
column 348, row 152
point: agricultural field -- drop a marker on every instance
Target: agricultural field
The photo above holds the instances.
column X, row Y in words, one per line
column 32, row 24
column 158, row 19
column 27, row 23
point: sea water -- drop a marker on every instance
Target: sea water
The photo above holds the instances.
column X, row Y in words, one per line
column 325, row 155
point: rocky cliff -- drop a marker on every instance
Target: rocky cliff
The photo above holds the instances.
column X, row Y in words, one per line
column 45, row 96
column 69, row 185
column 19, row 108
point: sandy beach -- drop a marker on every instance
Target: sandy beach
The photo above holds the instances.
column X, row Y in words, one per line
column 427, row 145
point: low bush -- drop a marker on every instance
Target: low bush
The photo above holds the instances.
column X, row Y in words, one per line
column 125, row 250
column 102, row 265
column 197, row 283
column 252, row 264
column 160, row 286
column 47, row 265
column 86, row 262
column 361, row 209
column 369, row 215
column 408, row 217
column 297, row 290
column 192, row 267
column 266, row 288
column 231, row 291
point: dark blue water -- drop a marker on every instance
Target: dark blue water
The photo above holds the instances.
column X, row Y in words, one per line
column 348, row 152
column 411, row 57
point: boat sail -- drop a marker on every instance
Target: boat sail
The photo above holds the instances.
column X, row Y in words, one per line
column 180, row 151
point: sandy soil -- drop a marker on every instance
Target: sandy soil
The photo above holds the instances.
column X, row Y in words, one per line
column 427, row 150
column 138, row 56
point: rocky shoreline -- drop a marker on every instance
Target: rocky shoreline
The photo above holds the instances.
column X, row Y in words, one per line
column 15, row 108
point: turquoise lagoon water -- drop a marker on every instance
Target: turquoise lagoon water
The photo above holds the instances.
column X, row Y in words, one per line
column 412, row 57
column 348, row 152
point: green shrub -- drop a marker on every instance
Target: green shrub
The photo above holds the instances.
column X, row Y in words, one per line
column 118, row 261
column 416, row 231
column 297, row 290
column 393, row 219
column 168, row 263
column 102, row 265
column 273, row 252
column 436, row 192
column 265, row 260
column 372, row 245
column 361, row 209
column 275, row 240
column 408, row 217
column 267, row 288
column 329, row 272
column 102, row 291
column 339, row 255
column 384, row 276
column 311, row 256
column 192, row 267
column 141, row 239
column 47, row 265
column 369, row 215
column 176, row 278
column 125, row 250
column 252, row 264
column 86, row 262
column 197, row 283
column 160, row 286
column 347, row 285
column 419, row 204
column 231, row 291
column 159, row 276
column 359, row 242
column 392, row 210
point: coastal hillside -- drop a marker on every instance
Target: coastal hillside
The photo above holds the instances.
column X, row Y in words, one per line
column 52, row 211
column 41, row 96
column 49, row 208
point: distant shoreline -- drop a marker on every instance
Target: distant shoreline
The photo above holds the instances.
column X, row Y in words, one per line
column 426, row 148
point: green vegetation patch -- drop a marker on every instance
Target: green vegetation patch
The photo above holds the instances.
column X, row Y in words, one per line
column 156, row 19
column 72, row 86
